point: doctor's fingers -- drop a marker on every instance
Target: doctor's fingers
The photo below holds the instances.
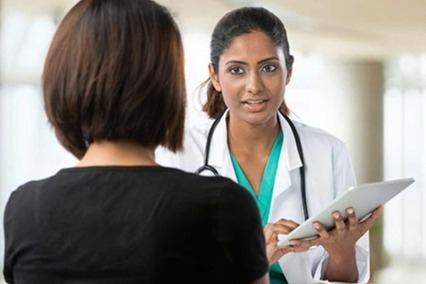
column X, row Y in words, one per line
column 352, row 219
column 279, row 227
column 339, row 223
column 324, row 236
column 371, row 220
column 288, row 249
column 270, row 234
column 284, row 226
column 274, row 252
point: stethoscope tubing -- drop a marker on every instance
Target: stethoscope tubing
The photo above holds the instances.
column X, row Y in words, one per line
column 211, row 169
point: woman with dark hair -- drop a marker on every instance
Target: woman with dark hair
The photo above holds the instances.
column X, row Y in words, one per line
column 252, row 141
column 114, row 90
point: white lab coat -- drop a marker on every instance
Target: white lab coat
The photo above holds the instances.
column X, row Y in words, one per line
column 328, row 174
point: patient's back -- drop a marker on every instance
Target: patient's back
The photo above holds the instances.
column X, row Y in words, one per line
column 132, row 225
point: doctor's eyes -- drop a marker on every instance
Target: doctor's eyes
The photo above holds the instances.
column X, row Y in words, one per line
column 235, row 70
column 269, row 68
column 238, row 70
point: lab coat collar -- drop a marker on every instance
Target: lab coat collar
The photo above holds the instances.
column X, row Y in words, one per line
column 289, row 161
column 290, row 153
column 221, row 160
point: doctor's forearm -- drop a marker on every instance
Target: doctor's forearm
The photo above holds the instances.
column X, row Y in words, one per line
column 342, row 268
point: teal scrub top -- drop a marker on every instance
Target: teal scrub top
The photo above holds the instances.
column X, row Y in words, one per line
column 264, row 196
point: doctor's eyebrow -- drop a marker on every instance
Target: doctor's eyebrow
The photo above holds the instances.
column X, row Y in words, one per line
column 258, row 63
column 268, row 59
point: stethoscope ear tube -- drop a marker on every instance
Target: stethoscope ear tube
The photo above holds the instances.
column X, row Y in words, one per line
column 302, row 168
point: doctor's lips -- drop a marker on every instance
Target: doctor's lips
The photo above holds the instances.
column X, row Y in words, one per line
column 255, row 102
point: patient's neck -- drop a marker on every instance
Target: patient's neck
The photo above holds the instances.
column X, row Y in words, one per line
column 118, row 153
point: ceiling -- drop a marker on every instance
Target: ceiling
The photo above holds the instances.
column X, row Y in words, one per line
column 360, row 29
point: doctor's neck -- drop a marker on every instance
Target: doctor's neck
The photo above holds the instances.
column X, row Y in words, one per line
column 245, row 134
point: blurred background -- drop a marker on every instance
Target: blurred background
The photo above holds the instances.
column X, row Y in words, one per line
column 359, row 73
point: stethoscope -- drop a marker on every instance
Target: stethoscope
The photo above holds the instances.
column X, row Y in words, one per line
column 212, row 171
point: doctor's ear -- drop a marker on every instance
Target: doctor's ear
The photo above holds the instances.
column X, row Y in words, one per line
column 289, row 69
column 289, row 73
column 214, row 78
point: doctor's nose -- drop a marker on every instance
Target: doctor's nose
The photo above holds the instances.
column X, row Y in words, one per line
column 254, row 83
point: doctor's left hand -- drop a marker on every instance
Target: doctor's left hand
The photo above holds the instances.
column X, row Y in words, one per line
column 340, row 242
column 271, row 231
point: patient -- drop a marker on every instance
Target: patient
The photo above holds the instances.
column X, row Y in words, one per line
column 114, row 90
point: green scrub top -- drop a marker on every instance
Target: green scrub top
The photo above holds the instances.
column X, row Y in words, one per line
column 264, row 197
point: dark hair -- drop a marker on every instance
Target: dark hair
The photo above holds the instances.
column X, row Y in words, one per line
column 235, row 23
column 114, row 72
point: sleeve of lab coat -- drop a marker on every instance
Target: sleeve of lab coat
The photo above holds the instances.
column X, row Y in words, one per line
column 344, row 177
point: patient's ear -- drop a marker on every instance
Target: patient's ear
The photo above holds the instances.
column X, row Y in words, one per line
column 214, row 78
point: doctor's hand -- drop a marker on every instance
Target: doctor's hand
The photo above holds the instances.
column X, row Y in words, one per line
column 271, row 231
column 340, row 242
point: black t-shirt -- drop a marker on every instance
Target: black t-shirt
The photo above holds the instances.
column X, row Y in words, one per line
column 132, row 225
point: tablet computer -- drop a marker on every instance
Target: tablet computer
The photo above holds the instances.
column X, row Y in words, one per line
column 363, row 198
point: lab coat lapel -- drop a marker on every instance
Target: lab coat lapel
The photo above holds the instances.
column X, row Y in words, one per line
column 289, row 159
column 219, row 151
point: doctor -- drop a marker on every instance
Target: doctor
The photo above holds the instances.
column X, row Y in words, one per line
column 252, row 143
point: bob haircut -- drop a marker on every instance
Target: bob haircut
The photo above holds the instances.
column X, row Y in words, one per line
column 115, row 71
column 232, row 25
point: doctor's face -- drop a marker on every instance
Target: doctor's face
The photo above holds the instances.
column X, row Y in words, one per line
column 252, row 77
